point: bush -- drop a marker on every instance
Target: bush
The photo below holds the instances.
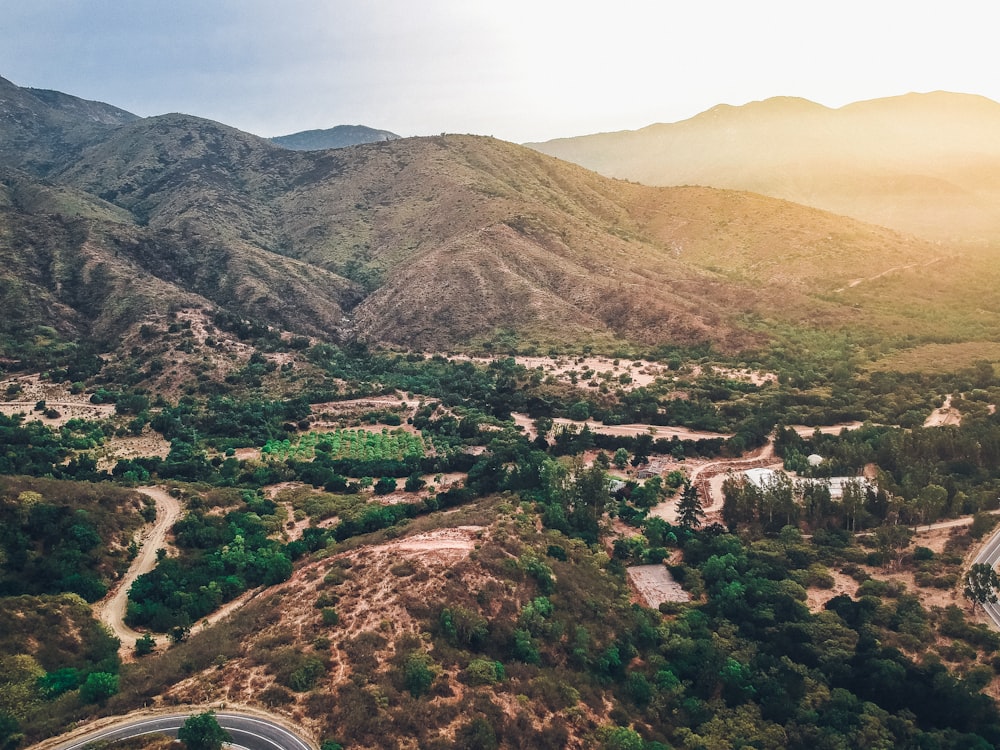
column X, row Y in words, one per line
column 418, row 673
column 276, row 695
column 144, row 645
column 484, row 672
column 98, row 687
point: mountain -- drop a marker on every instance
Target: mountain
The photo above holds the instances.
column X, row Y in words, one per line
column 39, row 128
column 336, row 137
column 425, row 243
column 928, row 164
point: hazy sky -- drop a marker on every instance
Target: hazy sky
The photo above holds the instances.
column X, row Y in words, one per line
column 518, row 69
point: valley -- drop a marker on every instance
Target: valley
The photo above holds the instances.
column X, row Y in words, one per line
column 445, row 443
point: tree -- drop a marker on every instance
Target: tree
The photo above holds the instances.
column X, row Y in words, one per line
column 890, row 541
column 689, row 510
column 418, row 673
column 10, row 732
column 620, row 459
column 385, row 485
column 178, row 634
column 99, row 686
column 414, row 483
column 202, row 732
column 145, row 645
column 981, row 584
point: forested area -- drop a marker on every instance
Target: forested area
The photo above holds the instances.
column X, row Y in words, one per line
column 745, row 662
column 63, row 536
column 61, row 545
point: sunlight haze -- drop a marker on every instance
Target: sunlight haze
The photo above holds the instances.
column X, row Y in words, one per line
column 519, row 70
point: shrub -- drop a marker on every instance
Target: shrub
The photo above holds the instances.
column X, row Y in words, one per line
column 418, row 673
column 98, row 687
column 484, row 672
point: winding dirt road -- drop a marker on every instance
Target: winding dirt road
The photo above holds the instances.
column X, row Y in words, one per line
column 111, row 609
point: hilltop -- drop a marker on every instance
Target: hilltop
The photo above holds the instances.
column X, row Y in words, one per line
column 920, row 163
column 335, row 137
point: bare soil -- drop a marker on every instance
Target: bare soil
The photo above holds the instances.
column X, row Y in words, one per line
column 655, row 585
column 111, row 609
column 622, row 430
column 946, row 414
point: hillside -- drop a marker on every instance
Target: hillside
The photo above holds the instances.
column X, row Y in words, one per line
column 926, row 164
column 335, row 137
column 440, row 242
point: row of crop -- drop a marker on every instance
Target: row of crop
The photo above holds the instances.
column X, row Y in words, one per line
column 355, row 444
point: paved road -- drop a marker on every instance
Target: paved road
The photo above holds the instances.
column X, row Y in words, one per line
column 251, row 732
column 990, row 554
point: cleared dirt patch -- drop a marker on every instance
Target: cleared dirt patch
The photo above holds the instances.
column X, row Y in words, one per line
column 946, row 414
column 655, row 585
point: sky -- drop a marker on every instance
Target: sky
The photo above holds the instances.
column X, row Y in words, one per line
column 521, row 70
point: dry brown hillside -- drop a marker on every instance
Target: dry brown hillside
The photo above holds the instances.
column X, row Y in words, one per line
column 441, row 242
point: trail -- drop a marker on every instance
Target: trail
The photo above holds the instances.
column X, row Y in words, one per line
column 886, row 272
column 111, row 609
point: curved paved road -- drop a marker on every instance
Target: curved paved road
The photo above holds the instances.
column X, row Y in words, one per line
column 248, row 731
column 111, row 609
column 990, row 554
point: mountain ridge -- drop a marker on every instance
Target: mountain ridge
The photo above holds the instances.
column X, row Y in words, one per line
column 432, row 243
column 339, row 136
column 867, row 160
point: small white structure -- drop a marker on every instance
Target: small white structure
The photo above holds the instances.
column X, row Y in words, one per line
column 837, row 484
column 760, row 478
column 815, row 459
column 765, row 478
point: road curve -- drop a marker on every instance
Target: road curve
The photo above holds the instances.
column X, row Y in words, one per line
column 247, row 731
column 989, row 554
column 111, row 609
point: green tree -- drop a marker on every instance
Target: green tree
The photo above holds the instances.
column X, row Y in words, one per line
column 930, row 502
column 620, row 459
column 385, row 486
column 649, row 494
column 98, row 687
column 202, row 732
column 418, row 673
column 578, row 411
column 689, row 510
column 145, row 645
column 622, row 738
column 981, row 584
column 414, row 483
column 10, row 732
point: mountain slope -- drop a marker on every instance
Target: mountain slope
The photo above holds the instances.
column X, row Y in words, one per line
column 922, row 163
column 335, row 137
column 438, row 242
column 39, row 128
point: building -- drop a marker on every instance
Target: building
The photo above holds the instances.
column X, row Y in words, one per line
column 763, row 478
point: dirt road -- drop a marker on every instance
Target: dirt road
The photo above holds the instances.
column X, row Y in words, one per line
column 621, row 430
column 708, row 478
column 945, row 415
column 111, row 609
